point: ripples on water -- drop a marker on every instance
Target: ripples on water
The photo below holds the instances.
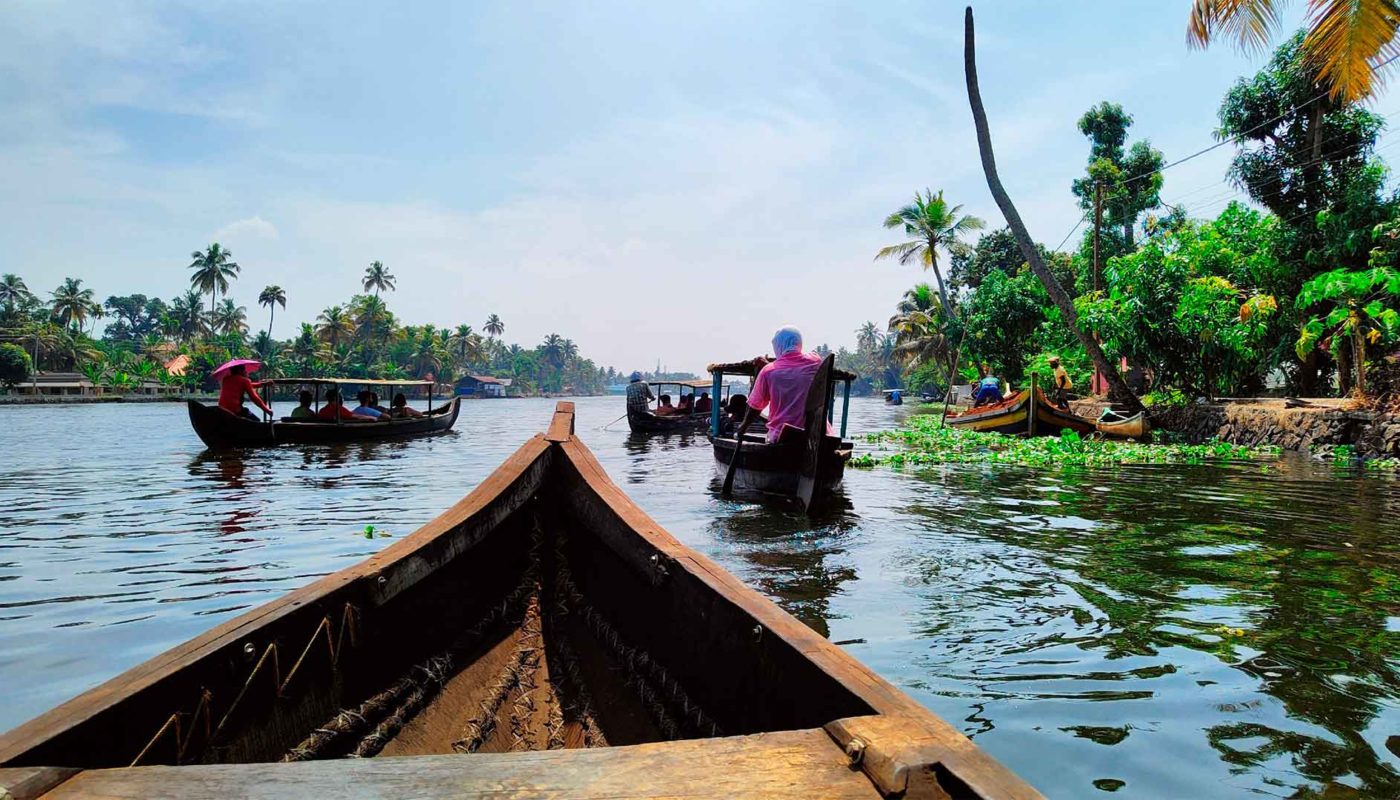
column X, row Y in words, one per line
column 1072, row 622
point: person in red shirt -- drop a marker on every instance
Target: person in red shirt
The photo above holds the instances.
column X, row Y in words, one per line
column 335, row 409
column 232, row 390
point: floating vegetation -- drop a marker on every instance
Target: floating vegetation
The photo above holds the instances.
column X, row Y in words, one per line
column 924, row 441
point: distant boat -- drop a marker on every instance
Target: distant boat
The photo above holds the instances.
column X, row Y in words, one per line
column 648, row 422
column 1027, row 413
column 543, row 612
column 221, row 430
column 894, row 397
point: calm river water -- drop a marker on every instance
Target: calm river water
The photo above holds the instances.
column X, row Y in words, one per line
column 1067, row 621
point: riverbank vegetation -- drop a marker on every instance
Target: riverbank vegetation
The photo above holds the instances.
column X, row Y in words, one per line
column 1283, row 276
column 923, row 440
column 145, row 337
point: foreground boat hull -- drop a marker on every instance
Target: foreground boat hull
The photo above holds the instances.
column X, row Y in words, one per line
column 221, row 430
column 702, row 687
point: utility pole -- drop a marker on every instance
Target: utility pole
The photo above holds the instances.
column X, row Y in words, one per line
column 1098, row 383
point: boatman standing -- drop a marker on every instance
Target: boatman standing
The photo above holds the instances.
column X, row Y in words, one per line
column 638, row 395
column 781, row 386
column 1062, row 383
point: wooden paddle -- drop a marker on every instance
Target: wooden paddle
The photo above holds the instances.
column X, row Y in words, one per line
column 728, row 485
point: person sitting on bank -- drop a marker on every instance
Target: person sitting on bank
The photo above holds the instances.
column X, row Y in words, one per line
column 781, row 386
column 1060, row 395
column 234, row 387
column 638, row 395
column 703, row 405
column 366, row 407
column 335, row 409
column 664, row 407
column 303, row 410
column 400, row 408
column 988, row 389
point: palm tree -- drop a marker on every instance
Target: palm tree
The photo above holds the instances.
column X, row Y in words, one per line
column 72, row 304
column 13, row 292
column 494, row 327
column 1117, row 387
column 213, row 269
column 272, row 296
column 867, row 335
column 931, row 223
column 334, row 323
column 229, row 319
column 468, row 344
column 378, row 278
column 1344, row 38
column 187, row 313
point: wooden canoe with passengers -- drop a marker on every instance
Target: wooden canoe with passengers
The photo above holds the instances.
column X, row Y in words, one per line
column 220, row 430
column 542, row 638
column 805, row 463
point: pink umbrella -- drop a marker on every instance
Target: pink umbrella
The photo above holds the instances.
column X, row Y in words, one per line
column 251, row 364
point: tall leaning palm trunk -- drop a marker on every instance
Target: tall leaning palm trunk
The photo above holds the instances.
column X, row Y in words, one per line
column 1117, row 388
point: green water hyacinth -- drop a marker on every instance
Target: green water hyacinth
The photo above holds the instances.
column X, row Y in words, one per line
column 923, row 441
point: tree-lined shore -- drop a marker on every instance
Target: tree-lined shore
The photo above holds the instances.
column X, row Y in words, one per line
column 359, row 338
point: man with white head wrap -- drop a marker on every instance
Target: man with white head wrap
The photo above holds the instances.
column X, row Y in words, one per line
column 781, row 386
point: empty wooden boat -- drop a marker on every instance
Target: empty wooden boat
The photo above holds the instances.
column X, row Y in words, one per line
column 221, row 430
column 542, row 638
column 1027, row 413
column 1119, row 426
column 804, row 463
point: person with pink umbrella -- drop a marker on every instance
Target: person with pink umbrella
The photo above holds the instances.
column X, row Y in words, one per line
column 234, row 384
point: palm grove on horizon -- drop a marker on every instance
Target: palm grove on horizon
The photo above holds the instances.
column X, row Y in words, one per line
column 360, row 338
column 1300, row 288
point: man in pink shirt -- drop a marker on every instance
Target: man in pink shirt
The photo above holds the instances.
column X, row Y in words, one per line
column 781, row 386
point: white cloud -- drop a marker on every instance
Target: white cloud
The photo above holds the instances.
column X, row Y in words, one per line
column 249, row 228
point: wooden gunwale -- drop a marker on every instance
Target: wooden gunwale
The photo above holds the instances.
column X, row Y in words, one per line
column 905, row 744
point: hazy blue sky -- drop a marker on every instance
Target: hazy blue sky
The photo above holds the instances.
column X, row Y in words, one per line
column 654, row 180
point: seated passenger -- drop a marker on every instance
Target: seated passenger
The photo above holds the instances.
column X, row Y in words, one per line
column 736, row 407
column 233, row 387
column 687, row 404
column 400, row 407
column 303, row 411
column 664, row 407
column 366, row 407
column 335, row 409
column 374, row 404
column 703, row 405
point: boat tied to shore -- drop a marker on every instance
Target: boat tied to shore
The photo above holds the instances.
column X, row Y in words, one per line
column 543, row 637
column 221, row 430
column 804, row 463
column 1026, row 413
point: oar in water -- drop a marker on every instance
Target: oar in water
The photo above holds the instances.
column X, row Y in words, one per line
column 614, row 422
column 728, row 486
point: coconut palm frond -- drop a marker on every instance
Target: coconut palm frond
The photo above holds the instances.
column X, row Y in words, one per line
column 1346, row 38
column 1249, row 24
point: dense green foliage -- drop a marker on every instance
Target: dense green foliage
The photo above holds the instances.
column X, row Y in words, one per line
column 14, row 365
column 1297, row 296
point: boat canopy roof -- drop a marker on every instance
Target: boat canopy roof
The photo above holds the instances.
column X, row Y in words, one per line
column 357, row 381
column 751, row 368
column 698, row 383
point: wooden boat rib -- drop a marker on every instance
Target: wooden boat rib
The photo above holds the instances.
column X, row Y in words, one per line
column 543, row 612
column 221, row 430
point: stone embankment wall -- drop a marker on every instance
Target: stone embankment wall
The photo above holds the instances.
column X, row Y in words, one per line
column 1321, row 425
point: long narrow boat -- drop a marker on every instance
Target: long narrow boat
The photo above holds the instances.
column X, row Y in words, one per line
column 804, row 463
column 544, row 612
column 221, row 430
column 1027, row 413
column 647, row 422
